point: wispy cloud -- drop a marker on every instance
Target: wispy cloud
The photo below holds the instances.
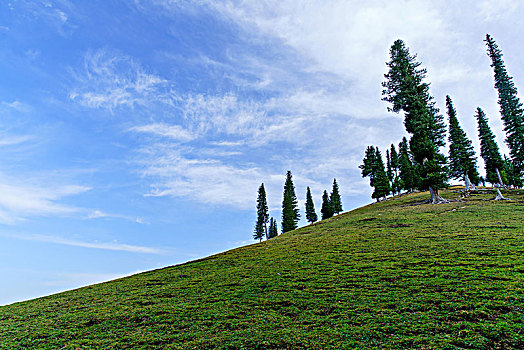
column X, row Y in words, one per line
column 175, row 132
column 110, row 80
column 312, row 110
column 115, row 246
column 14, row 140
column 17, row 106
column 18, row 201
column 98, row 214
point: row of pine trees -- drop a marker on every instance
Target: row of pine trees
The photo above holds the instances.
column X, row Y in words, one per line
column 420, row 164
column 331, row 205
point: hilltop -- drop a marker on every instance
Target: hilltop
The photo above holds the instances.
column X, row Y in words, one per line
column 387, row 275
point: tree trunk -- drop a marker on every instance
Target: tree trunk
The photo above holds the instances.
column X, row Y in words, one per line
column 468, row 185
column 500, row 197
column 501, row 184
column 435, row 198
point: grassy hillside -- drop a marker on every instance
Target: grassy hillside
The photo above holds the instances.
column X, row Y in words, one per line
column 389, row 275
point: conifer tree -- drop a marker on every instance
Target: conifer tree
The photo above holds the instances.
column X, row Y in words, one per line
column 407, row 174
column 273, row 230
column 406, row 90
column 373, row 166
column 389, row 169
column 462, row 160
column 368, row 165
column 290, row 212
column 382, row 186
column 512, row 175
column 327, row 207
column 510, row 106
column 262, row 215
column 396, row 183
column 311, row 215
column 489, row 150
column 336, row 201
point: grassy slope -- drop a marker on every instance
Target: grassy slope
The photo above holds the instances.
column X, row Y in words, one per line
column 386, row 275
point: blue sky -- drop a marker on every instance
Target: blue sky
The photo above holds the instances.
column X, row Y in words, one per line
column 134, row 134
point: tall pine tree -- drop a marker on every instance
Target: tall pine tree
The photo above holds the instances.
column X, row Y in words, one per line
column 510, row 106
column 311, row 215
column 462, row 160
column 327, row 207
column 262, row 215
column 290, row 212
column 336, row 201
column 489, row 150
column 406, row 90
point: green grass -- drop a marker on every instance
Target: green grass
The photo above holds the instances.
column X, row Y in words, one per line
column 389, row 275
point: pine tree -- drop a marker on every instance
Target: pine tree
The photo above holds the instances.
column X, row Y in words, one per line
column 396, row 183
column 327, row 207
column 311, row 215
column 369, row 165
column 512, row 175
column 262, row 215
column 336, row 201
column 273, row 230
column 489, row 150
column 406, row 90
column 290, row 212
column 389, row 169
column 373, row 166
column 462, row 160
column 510, row 106
column 407, row 174
column 382, row 186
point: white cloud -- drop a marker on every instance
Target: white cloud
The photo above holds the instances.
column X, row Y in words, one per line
column 205, row 180
column 175, row 132
column 311, row 104
column 18, row 201
column 14, row 140
column 115, row 246
column 494, row 11
column 17, row 106
column 112, row 80
column 98, row 214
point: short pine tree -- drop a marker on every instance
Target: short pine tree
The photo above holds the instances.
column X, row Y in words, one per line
column 462, row 160
column 290, row 212
column 262, row 215
column 311, row 215
column 368, row 165
column 510, row 106
column 512, row 175
column 489, row 150
column 396, row 183
column 382, row 186
column 336, row 201
column 373, row 166
column 273, row 230
column 408, row 179
column 389, row 168
column 327, row 207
